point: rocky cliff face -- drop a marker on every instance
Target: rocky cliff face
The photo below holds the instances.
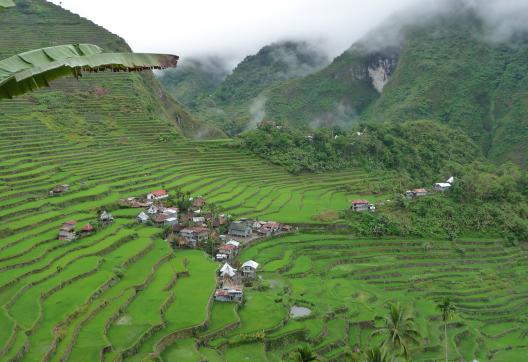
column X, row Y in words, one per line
column 380, row 69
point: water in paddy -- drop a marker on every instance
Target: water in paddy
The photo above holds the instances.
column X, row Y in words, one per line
column 298, row 312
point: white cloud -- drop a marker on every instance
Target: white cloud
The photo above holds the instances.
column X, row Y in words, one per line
column 233, row 28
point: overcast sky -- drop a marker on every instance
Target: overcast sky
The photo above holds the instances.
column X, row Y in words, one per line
column 234, row 28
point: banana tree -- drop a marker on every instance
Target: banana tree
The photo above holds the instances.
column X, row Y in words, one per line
column 34, row 69
column 6, row 3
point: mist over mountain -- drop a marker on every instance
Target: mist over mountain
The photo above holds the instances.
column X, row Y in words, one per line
column 235, row 101
column 459, row 62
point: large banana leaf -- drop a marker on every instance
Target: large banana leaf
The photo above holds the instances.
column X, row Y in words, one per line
column 31, row 70
column 6, row 3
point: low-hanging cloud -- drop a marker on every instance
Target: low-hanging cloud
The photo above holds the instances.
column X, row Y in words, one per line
column 501, row 20
column 233, row 29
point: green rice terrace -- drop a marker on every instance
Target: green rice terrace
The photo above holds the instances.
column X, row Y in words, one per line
column 126, row 291
column 123, row 293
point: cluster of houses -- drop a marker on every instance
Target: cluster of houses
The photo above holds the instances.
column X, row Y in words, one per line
column 246, row 228
column 230, row 281
column 364, row 205
column 439, row 187
column 196, row 225
column 68, row 231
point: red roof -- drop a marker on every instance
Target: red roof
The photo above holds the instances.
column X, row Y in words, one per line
column 87, row 227
column 227, row 247
column 71, row 222
column 359, row 202
column 159, row 193
column 419, row 190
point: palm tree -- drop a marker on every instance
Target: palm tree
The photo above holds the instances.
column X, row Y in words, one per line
column 399, row 331
column 304, row 354
column 448, row 310
column 377, row 355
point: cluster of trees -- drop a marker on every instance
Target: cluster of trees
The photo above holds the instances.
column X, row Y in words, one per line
column 420, row 149
column 398, row 336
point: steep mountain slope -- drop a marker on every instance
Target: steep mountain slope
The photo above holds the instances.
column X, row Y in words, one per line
column 450, row 73
column 193, row 78
column 336, row 94
column 445, row 70
column 237, row 103
column 123, row 105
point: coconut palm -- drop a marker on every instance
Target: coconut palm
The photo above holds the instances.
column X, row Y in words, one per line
column 399, row 331
column 448, row 310
column 304, row 354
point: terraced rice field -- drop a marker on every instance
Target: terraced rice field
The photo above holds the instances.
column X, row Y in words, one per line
column 122, row 292
column 345, row 282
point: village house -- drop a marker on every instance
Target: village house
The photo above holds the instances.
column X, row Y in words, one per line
column 199, row 221
column 157, row 195
column 170, row 211
column 249, row 269
column 442, row 186
column 106, row 217
column 240, row 228
column 269, row 228
column 221, row 257
column 67, row 231
column 153, row 209
column 256, row 225
column 362, row 205
column 412, row 194
column 222, row 219
column 142, row 217
column 228, row 250
column 59, row 189
column 198, row 202
column 87, row 229
column 159, row 219
column 229, row 294
column 194, row 235
column 264, row 232
column 170, row 221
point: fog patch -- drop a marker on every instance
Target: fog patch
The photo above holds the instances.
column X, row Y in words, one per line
column 257, row 111
column 341, row 115
column 300, row 58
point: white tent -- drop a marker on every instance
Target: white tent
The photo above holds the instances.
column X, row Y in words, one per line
column 227, row 271
column 450, row 180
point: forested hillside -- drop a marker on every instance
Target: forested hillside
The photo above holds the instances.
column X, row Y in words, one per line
column 446, row 70
column 237, row 103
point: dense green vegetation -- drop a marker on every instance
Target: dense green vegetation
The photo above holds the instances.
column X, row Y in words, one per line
column 194, row 78
column 239, row 100
column 446, row 70
column 421, row 150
